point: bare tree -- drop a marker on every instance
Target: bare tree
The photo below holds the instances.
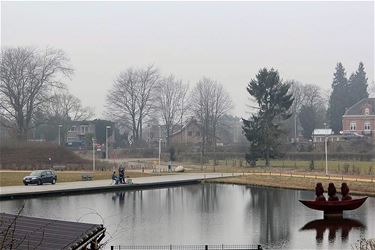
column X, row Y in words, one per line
column 209, row 102
column 171, row 103
column 311, row 95
column 63, row 109
column 296, row 89
column 130, row 99
column 28, row 77
column 65, row 106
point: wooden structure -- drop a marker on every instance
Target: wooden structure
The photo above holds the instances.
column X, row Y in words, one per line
column 334, row 208
column 21, row 232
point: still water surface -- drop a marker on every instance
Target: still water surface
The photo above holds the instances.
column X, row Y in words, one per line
column 207, row 214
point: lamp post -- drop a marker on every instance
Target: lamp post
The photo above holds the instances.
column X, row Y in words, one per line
column 326, row 148
column 159, row 151
column 93, row 154
column 159, row 144
column 60, row 134
column 106, row 142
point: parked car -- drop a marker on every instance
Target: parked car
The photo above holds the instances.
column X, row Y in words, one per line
column 353, row 136
column 40, row 176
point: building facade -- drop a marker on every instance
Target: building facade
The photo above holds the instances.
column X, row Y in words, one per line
column 360, row 118
column 188, row 134
column 80, row 133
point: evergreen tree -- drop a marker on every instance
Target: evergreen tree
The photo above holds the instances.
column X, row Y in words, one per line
column 358, row 85
column 338, row 100
column 263, row 129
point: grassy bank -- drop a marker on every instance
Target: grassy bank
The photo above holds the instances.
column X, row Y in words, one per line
column 334, row 167
column 14, row 178
column 360, row 188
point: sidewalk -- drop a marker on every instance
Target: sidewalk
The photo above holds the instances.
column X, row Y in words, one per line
column 10, row 192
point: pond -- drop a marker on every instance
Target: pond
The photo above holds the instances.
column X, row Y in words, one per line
column 207, row 214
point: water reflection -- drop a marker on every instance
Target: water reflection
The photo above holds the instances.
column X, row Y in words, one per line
column 332, row 225
column 273, row 207
column 206, row 214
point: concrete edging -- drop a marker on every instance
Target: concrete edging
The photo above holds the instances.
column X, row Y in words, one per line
column 76, row 191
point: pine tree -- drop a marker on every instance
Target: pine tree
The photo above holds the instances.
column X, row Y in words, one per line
column 338, row 100
column 263, row 129
column 358, row 85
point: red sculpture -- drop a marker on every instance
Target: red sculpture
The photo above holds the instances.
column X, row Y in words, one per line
column 319, row 190
column 333, row 207
column 345, row 192
column 332, row 192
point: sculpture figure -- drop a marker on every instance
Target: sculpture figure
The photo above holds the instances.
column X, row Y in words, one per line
column 345, row 192
column 319, row 190
column 332, row 192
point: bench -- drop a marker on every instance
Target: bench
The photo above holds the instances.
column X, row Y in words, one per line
column 59, row 167
column 87, row 176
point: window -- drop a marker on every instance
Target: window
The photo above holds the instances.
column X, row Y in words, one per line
column 190, row 133
column 353, row 125
column 367, row 126
column 367, row 111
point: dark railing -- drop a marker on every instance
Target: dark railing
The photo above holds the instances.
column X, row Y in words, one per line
column 187, row 247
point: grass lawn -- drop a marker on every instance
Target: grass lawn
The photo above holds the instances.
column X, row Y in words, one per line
column 298, row 183
column 334, row 167
column 14, row 178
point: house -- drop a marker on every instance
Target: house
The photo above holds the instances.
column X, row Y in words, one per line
column 188, row 134
column 79, row 130
column 360, row 118
column 319, row 135
column 80, row 133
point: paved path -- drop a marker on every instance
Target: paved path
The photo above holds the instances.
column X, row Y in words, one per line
column 10, row 192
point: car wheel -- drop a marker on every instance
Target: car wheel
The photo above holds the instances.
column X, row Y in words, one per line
column 26, row 184
column 40, row 182
column 53, row 181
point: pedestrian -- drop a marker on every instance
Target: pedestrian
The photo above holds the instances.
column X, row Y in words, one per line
column 114, row 178
column 121, row 172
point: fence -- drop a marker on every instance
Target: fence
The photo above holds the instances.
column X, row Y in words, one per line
column 188, row 247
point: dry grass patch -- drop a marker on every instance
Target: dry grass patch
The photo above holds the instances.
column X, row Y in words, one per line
column 297, row 183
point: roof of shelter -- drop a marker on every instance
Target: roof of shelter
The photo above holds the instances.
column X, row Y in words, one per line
column 36, row 233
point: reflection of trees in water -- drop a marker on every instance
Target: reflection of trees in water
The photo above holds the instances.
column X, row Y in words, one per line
column 209, row 198
column 206, row 196
column 274, row 207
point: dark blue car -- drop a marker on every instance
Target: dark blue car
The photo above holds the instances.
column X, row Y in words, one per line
column 39, row 177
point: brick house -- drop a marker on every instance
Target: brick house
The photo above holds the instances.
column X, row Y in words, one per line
column 360, row 118
column 188, row 134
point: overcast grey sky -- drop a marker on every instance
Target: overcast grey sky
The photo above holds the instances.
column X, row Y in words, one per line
column 226, row 41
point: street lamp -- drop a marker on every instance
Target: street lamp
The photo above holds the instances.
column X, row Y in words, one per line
column 159, row 144
column 159, row 150
column 60, row 126
column 93, row 154
column 325, row 149
column 106, row 142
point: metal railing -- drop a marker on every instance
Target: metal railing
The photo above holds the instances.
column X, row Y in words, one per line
column 187, row 247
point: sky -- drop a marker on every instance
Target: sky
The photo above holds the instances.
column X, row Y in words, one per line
column 226, row 41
